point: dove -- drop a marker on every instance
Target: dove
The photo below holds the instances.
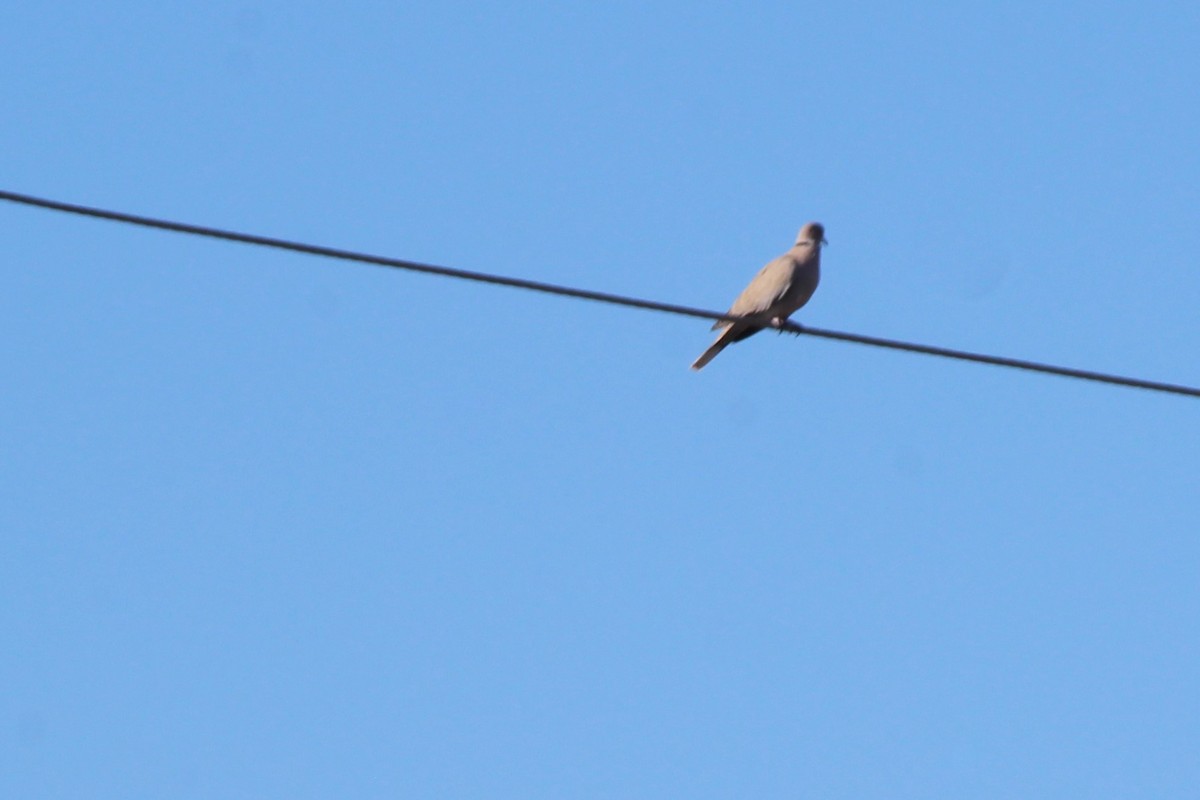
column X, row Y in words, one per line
column 777, row 291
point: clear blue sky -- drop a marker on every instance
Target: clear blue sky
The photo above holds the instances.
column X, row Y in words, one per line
column 272, row 526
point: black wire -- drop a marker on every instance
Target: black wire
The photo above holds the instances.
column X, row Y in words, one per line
column 583, row 294
column 1003, row 361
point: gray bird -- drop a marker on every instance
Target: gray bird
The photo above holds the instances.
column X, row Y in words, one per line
column 777, row 291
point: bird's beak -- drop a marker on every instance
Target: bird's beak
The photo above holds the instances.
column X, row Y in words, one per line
column 824, row 241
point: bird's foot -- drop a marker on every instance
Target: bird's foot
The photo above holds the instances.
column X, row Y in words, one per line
column 785, row 325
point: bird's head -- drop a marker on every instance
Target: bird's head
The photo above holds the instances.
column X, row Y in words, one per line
column 812, row 233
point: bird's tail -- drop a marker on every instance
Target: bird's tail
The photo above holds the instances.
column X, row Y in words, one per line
column 723, row 341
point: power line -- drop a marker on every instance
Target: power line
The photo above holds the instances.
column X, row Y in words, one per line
column 583, row 294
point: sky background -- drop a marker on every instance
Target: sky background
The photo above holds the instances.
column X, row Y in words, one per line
column 276, row 526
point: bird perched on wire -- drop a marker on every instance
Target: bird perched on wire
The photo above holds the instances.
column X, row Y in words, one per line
column 777, row 291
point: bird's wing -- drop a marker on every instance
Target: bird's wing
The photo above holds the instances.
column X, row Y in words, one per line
column 765, row 291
